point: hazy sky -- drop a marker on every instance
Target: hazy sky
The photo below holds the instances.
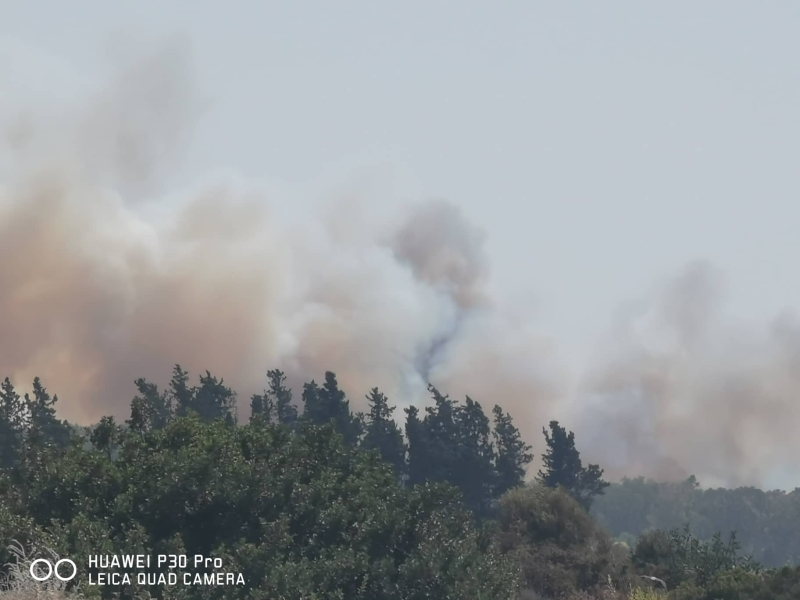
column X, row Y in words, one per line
column 602, row 146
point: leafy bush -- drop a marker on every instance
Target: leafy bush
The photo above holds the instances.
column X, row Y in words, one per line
column 559, row 547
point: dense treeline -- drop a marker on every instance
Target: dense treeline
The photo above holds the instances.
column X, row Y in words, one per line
column 767, row 522
column 311, row 500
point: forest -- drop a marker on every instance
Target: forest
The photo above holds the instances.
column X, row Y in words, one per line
column 311, row 500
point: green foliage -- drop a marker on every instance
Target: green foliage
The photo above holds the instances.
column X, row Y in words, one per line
column 743, row 584
column 513, row 454
column 418, row 450
column 328, row 403
column 280, row 399
column 180, row 393
column 45, row 429
column 453, row 443
column 150, row 409
column 214, row 400
column 106, row 435
column 301, row 515
column 383, row 434
column 766, row 522
column 645, row 594
column 563, row 467
column 29, row 428
column 14, row 422
column 711, row 570
column 338, row 505
column 678, row 556
column 275, row 404
column 560, row 548
column 476, row 475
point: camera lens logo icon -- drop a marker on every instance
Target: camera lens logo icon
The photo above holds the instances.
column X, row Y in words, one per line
column 52, row 570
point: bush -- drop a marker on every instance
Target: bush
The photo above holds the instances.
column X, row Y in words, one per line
column 559, row 548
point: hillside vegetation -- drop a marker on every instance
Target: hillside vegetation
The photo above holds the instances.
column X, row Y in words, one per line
column 311, row 501
column 767, row 522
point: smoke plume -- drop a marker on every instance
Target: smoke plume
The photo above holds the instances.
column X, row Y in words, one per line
column 684, row 390
column 94, row 293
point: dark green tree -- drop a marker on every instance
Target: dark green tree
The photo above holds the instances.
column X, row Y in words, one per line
column 106, row 436
column 299, row 513
column 13, row 424
column 312, row 411
column 439, row 450
column 417, row 450
column 260, row 409
column 562, row 551
column 214, row 400
column 383, row 434
column 329, row 403
column 563, row 467
column 453, row 444
column 473, row 471
column 513, row 454
column 46, row 430
column 280, row 398
column 677, row 557
column 180, row 394
column 150, row 409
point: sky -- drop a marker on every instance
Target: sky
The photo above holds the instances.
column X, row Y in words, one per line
column 602, row 148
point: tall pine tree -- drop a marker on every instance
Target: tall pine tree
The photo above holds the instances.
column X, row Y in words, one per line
column 106, row 436
column 329, row 403
column 214, row 400
column 280, row 398
column 46, row 430
column 563, row 467
column 383, row 434
column 513, row 454
column 13, row 424
column 150, row 409
column 260, row 409
column 474, row 469
column 181, row 395
column 453, row 444
column 417, row 452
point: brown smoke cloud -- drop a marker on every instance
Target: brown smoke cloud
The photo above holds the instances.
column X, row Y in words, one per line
column 684, row 390
column 94, row 294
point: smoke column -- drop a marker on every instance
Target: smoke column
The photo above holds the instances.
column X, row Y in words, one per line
column 96, row 291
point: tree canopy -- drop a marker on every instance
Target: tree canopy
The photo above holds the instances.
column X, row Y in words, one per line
column 313, row 501
column 563, row 467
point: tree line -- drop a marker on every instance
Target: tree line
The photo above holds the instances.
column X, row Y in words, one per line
column 309, row 499
column 767, row 522
column 449, row 441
